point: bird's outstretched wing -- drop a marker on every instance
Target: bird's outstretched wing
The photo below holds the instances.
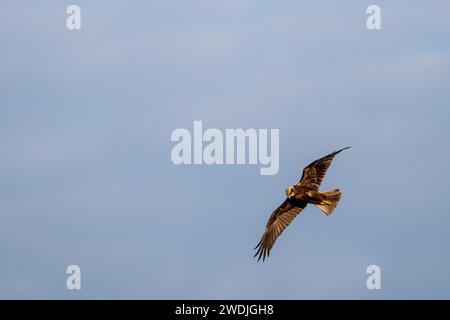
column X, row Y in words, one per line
column 314, row 172
column 278, row 221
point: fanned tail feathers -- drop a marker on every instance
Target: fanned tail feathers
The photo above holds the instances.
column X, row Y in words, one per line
column 330, row 202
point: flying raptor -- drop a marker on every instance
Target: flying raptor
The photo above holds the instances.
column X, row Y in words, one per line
column 297, row 197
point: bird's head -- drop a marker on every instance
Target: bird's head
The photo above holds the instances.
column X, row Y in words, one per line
column 290, row 192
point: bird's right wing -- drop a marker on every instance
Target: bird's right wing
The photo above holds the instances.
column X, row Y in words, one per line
column 278, row 221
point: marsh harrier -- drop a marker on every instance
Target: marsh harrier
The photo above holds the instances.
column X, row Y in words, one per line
column 297, row 197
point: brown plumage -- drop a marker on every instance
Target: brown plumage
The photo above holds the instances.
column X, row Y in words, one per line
column 298, row 196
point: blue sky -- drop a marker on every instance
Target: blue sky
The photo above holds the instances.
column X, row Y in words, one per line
column 86, row 175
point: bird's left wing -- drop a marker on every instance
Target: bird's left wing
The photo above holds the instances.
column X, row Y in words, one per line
column 314, row 173
column 278, row 221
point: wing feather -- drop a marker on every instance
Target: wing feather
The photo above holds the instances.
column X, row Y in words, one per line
column 278, row 221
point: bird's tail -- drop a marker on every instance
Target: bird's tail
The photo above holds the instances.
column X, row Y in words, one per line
column 330, row 201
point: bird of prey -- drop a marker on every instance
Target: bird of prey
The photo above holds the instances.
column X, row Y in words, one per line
column 297, row 197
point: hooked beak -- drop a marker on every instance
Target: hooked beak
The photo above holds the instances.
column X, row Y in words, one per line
column 291, row 194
